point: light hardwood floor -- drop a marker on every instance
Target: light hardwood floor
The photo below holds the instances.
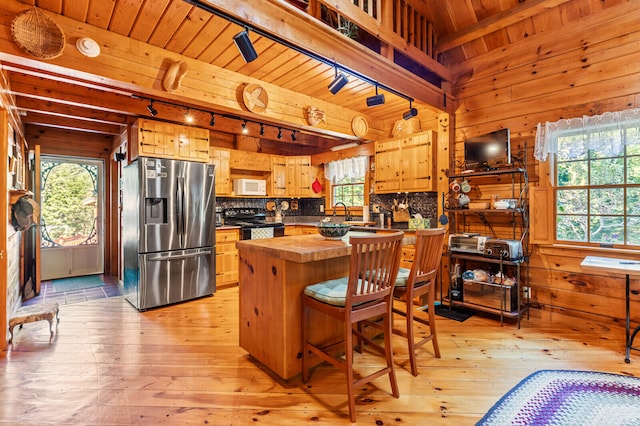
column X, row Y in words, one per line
column 111, row 365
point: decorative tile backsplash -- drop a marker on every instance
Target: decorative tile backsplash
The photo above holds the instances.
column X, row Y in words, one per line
column 425, row 203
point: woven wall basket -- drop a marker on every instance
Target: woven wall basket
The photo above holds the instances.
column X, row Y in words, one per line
column 37, row 34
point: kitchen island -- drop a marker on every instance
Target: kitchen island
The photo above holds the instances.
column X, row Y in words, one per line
column 273, row 275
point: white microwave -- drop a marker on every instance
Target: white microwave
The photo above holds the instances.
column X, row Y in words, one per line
column 250, row 187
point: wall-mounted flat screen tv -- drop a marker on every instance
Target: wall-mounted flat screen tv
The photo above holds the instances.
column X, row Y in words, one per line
column 488, row 151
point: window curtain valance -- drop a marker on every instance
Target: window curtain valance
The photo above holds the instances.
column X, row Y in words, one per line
column 347, row 168
column 613, row 123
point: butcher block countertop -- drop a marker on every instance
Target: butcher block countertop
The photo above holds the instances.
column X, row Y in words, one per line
column 306, row 248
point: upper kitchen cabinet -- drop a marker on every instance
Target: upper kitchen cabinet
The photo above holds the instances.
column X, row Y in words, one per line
column 405, row 164
column 151, row 138
column 250, row 161
column 300, row 175
column 193, row 143
column 220, row 159
column 278, row 176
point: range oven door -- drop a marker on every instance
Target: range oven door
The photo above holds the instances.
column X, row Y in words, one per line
column 256, row 232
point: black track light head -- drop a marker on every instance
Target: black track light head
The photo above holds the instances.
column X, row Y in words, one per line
column 151, row 109
column 338, row 82
column 244, row 45
column 293, row 135
column 212, row 122
column 261, row 129
column 412, row 112
column 378, row 99
column 375, row 100
column 279, row 132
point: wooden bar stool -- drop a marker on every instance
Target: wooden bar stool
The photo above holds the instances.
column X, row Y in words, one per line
column 365, row 293
column 419, row 281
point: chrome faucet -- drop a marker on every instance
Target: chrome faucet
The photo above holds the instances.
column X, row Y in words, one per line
column 347, row 213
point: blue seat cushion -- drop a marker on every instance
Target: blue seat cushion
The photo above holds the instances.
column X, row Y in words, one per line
column 403, row 277
column 333, row 292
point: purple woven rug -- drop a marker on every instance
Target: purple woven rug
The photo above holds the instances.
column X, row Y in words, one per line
column 565, row 397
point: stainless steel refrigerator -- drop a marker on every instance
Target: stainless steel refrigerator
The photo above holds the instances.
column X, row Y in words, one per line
column 168, row 231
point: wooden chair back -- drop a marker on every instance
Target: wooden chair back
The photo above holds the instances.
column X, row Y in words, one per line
column 374, row 267
column 427, row 257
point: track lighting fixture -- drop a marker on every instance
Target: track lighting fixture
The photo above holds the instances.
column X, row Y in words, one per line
column 243, row 42
column 412, row 112
column 338, row 82
column 378, row 99
column 243, row 37
column 188, row 117
column 151, row 109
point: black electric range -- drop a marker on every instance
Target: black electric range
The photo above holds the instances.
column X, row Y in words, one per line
column 252, row 222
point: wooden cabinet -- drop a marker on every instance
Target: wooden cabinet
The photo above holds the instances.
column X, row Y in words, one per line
column 405, row 164
column 408, row 253
column 151, row 138
column 388, row 166
column 193, row 143
column 299, row 173
column 251, row 161
column 220, row 159
column 278, row 176
column 417, row 163
column 226, row 256
column 300, row 230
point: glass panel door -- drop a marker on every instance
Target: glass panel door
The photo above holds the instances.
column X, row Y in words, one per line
column 72, row 211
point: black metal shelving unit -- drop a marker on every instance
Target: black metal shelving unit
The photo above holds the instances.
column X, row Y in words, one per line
column 518, row 216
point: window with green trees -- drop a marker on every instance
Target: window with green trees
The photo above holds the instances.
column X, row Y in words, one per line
column 597, row 188
column 350, row 191
column 69, row 202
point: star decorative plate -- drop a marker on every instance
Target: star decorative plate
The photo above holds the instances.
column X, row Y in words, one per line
column 255, row 98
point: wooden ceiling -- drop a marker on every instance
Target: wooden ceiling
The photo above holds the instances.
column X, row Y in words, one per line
column 68, row 94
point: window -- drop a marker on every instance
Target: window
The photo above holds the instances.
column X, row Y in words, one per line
column 350, row 191
column 70, row 206
column 597, row 178
column 347, row 179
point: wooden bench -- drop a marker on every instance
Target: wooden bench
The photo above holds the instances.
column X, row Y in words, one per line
column 32, row 313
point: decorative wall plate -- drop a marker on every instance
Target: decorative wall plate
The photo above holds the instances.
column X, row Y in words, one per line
column 359, row 126
column 255, row 98
column 88, row 47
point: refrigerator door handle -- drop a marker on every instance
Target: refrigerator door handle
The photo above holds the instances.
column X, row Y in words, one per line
column 180, row 209
column 179, row 257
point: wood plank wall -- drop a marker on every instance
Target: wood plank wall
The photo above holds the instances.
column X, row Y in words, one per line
column 586, row 67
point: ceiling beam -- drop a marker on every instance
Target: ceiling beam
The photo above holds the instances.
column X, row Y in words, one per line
column 48, row 120
column 496, row 22
column 60, row 109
